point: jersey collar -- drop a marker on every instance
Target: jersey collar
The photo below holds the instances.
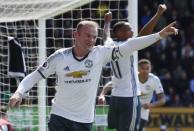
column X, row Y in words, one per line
column 74, row 56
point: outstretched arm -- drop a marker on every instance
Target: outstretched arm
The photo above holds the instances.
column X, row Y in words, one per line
column 105, row 90
column 148, row 28
column 139, row 43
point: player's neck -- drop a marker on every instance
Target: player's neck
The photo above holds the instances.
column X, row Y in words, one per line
column 142, row 79
column 79, row 54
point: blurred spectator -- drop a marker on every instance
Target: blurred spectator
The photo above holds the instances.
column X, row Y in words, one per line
column 191, row 87
column 146, row 16
column 181, row 6
column 177, row 101
column 178, row 128
column 5, row 125
column 187, row 51
column 187, row 99
column 169, row 96
column 163, row 128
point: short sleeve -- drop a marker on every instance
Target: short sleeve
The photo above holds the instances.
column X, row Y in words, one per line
column 158, row 86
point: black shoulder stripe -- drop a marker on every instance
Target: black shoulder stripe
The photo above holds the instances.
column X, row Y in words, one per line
column 116, row 53
column 41, row 74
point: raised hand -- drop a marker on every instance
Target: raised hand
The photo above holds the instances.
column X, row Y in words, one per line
column 161, row 9
column 169, row 30
column 108, row 17
column 107, row 20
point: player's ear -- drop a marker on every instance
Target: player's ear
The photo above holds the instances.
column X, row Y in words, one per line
column 75, row 33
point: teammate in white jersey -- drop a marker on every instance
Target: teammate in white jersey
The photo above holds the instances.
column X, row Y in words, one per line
column 149, row 83
column 78, row 72
column 124, row 111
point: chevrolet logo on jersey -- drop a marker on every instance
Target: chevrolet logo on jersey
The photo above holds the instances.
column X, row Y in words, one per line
column 77, row 74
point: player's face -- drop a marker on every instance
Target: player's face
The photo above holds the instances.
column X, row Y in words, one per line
column 125, row 33
column 144, row 70
column 86, row 37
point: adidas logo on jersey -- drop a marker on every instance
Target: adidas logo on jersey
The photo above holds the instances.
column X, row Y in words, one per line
column 67, row 68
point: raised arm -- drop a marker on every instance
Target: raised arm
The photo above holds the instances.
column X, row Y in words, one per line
column 107, row 20
column 139, row 43
column 105, row 90
column 149, row 27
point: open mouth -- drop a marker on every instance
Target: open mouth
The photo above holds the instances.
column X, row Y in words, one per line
column 90, row 45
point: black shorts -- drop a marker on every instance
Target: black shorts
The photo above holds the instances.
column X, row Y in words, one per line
column 124, row 113
column 58, row 123
column 143, row 124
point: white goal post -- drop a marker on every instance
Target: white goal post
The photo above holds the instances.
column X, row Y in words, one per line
column 43, row 26
column 12, row 10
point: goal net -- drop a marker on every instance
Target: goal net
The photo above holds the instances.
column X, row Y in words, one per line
column 40, row 27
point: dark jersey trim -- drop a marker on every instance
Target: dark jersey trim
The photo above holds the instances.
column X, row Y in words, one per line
column 116, row 69
column 76, row 57
column 41, row 74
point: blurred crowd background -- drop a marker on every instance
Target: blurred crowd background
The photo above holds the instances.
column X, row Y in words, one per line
column 173, row 58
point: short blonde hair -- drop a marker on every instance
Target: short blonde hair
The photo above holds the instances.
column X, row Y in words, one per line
column 86, row 22
column 144, row 61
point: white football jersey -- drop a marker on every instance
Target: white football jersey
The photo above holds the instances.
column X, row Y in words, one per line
column 125, row 79
column 77, row 79
column 77, row 82
column 153, row 84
